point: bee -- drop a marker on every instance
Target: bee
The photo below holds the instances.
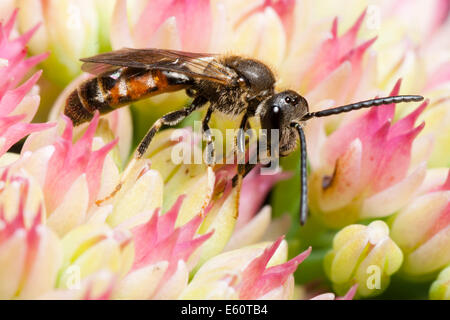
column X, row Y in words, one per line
column 232, row 85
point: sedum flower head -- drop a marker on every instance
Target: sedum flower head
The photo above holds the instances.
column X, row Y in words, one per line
column 363, row 255
column 174, row 229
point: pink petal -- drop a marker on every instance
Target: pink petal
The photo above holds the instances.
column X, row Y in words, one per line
column 22, row 41
column 6, row 122
column 446, row 185
column 442, row 222
column 156, row 12
column 9, row 25
column 362, row 128
column 94, row 168
column 157, row 240
column 12, row 98
column 386, row 112
column 287, row 268
column 189, row 229
column 23, row 67
column 407, row 123
column 105, row 295
column 145, row 238
column 257, row 280
column 257, row 266
column 255, row 270
column 20, row 130
column 373, row 151
column 183, row 250
column 69, row 161
column 355, row 57
column 442, row 9
column 18, row 221
column 332, row 51
column 396, row 160
column 285, row 10
column 84, row 144
column 164, row 251
column 167, row 221
column 350, row 293
column 68, row 130
column 347, row 41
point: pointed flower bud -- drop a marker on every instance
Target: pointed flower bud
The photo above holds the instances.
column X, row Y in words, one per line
column 363, row 255
column 440, row 289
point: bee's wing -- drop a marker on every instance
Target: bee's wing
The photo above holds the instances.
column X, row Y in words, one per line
column 198, row 65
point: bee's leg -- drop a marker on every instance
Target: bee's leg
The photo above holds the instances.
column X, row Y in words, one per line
column 210, row 149
column 239, row 142
column 170, row 119
column 244, row 171
column 240, row 150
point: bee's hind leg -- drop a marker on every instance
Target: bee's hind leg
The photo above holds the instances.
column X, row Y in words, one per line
column 170, row 119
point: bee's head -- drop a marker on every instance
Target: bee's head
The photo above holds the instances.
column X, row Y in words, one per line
column 279, row 112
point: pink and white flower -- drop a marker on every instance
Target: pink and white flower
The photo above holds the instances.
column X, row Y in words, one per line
column 366, row 162
column 256, row 272
column 422, row 230
column 30, row 252
column 18, row 103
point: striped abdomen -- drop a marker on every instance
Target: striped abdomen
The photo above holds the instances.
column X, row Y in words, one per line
column 114, row 89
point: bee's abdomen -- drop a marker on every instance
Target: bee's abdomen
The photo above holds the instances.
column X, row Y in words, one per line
column 75, row 109
column 117, row 88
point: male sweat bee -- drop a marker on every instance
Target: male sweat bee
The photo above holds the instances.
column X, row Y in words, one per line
column 232, row 85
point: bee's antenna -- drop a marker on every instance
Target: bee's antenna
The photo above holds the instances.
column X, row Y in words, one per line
column 362, row 104
column 303, row 174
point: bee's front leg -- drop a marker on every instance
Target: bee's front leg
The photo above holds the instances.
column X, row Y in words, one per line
column 210, row 149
